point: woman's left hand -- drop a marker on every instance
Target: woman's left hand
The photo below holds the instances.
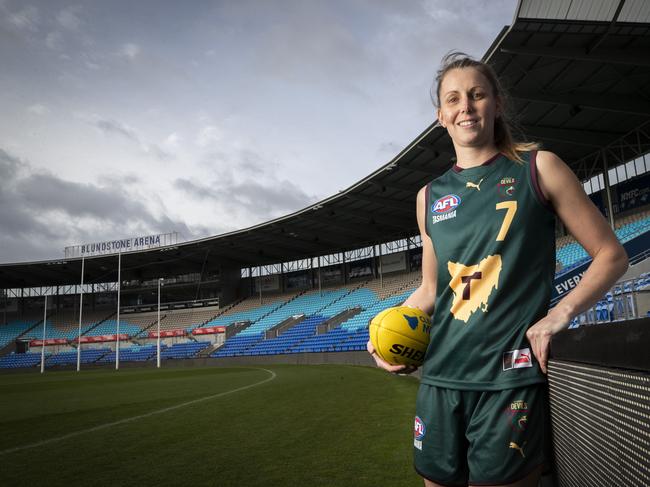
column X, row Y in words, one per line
column 539, row 335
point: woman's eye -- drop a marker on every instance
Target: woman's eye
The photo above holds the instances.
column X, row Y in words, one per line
column 478, row 95
column 452, row 99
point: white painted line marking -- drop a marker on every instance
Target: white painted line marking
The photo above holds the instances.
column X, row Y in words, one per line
column 141, row 416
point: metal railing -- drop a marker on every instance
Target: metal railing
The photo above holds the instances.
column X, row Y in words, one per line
column 627, row 300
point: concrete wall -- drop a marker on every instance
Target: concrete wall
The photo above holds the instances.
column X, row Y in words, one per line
column 342, row 358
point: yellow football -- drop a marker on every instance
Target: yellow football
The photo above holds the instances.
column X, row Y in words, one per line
column 400, row 335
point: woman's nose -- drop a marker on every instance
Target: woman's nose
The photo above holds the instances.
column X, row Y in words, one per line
column 466, row 105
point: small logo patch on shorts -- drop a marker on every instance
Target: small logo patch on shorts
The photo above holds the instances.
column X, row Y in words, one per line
column 517, row 415
column 517, row 359
column 418, row 432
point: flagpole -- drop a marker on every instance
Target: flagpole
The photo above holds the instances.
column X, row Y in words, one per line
column 81, row 301
column 43, row 344
column 119, row 288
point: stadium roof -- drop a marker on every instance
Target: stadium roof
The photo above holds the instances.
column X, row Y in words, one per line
column 579, row 77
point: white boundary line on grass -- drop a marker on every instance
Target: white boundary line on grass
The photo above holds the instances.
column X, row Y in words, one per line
column 140, row 416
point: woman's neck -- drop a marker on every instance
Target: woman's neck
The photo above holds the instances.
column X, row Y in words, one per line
column 467, row 157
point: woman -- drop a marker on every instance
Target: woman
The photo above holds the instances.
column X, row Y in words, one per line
column 488, row 260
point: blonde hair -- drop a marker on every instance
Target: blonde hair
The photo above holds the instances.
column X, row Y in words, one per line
column 504, row 123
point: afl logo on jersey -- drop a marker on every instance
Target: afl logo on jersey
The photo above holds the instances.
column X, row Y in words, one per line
column 446, row 204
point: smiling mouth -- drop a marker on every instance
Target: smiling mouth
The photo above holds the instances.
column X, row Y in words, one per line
column 467, row 123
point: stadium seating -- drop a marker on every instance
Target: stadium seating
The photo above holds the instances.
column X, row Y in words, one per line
column 350, row 335
column 183, row 350
column 617, row 305
column 187, row 318
column 245, row 312
column 65, row 325
column 285, row 341
column 237, row 345
column 362, row 299
column 306, row 304
column 135, row 353
column 20, row 360
column 68, row 358
column 109, row 327
column 572, row 254
column 12, row 330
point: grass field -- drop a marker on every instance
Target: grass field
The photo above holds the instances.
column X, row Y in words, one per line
column 325, row 425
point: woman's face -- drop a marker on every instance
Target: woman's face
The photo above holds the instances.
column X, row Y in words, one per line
column 468, row 107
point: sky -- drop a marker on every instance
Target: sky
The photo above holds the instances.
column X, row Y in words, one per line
column 123, row 119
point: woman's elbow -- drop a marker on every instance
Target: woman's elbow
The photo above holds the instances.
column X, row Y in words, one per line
column 620, row 260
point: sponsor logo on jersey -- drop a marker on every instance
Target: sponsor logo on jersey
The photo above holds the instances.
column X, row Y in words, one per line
column 444, row 208
column 445, row 204
column 445, row 216
column 419, row 430
column 520, row 449
column 476, row 186
column 517, row 359
column 506, row 187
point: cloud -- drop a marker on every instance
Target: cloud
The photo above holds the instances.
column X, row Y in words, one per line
column 247, row 189
column 112, row 127
column 115, row 128
column 8, row 165
column 54, row 40
column 68, row 18
column 172, row 141
column 38, row 109
column 25, row 19
column 41, row 213
column 129, row 51
column 209, row 135
column 249, row 201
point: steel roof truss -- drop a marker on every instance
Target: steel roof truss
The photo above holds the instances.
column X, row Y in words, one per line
column 621, row 104
column 630, row 56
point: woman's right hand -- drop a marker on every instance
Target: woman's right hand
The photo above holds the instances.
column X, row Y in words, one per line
column 382, row 364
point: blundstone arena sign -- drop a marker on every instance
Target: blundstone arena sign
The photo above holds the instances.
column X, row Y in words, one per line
column 123, row 245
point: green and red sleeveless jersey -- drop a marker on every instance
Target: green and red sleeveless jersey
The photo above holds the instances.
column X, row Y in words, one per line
column 493, row 235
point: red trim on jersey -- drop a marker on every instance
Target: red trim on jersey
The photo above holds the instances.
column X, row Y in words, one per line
column 427, row 206
column 457, row 168
column 535, row 180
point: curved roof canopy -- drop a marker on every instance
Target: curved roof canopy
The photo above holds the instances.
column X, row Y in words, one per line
column 579, row 79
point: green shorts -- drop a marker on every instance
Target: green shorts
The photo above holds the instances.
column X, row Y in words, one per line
column 480, row 437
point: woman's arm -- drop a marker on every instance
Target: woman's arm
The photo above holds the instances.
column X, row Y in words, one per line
column 424, row 296
column 583, row 220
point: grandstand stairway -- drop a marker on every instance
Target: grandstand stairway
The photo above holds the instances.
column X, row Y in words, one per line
column 225, row 309
column 336, row 320
column 98, row 323
column 235, row 328
column 205, row 353
column 283, row 326
column 142, row 334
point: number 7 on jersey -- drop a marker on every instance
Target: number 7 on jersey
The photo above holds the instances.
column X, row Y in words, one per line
column 511, row 209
